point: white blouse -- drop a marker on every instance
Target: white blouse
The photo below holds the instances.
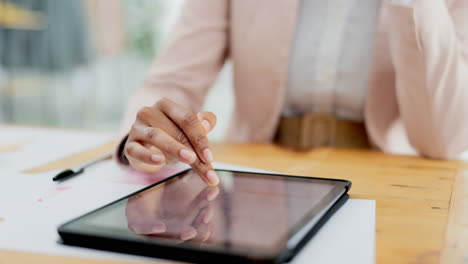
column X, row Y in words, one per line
column 331, row 57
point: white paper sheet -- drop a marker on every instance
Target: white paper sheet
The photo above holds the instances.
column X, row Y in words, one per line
column 347, row 237
column 32, row 207
column 39, row 146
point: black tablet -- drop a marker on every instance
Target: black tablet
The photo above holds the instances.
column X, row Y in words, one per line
column 248, row 217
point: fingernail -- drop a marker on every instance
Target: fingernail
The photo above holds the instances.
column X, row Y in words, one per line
column 157, row 158
column 208, row 155
column 188, row 234
column 207, row 218
column 206, row 125
column 187, row 155
column 212, row 178
column 159, row 228
column 212, row 194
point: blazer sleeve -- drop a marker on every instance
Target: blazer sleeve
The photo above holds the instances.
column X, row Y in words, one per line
column 429, row 44
column 188, row 65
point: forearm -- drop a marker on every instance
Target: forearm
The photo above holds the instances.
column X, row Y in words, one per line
column 187, row 67
column 431, row 77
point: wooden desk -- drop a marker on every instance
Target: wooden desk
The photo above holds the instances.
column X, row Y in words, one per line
column 420, row 215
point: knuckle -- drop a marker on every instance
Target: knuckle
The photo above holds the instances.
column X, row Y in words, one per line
column 182, row 138
column 144, row 113
column 200, row 140
column 163, row 103
column 160, row 103
column 189, row 120
column 152, row 134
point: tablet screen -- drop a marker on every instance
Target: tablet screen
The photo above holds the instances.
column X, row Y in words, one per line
column 246, row 212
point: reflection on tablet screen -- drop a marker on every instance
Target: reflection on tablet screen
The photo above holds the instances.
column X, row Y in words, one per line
column 246, row 211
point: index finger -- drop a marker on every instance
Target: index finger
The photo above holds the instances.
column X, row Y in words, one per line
column 191, row 126
column 206, row 172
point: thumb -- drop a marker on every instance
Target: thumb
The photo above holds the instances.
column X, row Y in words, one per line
column 208, row 120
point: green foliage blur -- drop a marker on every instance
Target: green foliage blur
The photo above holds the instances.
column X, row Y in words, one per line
column 143, row 19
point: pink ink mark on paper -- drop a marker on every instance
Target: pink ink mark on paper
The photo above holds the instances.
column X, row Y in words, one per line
column 141, row 178
column 62, row 188
column 52, row 193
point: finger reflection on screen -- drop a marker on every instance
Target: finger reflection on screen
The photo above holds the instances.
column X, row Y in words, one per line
column 181, row 208
column 252, row 212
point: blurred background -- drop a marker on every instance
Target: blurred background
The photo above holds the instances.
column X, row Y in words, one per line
column 74, row 63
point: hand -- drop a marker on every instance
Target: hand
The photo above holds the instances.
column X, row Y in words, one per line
column 169, row 132
column 180, row 209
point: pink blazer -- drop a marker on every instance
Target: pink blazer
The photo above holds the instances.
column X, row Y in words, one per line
column 417, row 96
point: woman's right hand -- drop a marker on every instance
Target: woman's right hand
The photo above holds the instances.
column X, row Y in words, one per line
column 167, row 132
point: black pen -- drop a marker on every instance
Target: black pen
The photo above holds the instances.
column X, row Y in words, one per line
column 68, row 173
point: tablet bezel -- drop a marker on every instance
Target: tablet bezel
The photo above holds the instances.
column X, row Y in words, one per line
column 190, row 252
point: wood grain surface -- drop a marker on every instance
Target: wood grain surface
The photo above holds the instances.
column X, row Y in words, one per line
column 419, row 218
column 74, row 160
